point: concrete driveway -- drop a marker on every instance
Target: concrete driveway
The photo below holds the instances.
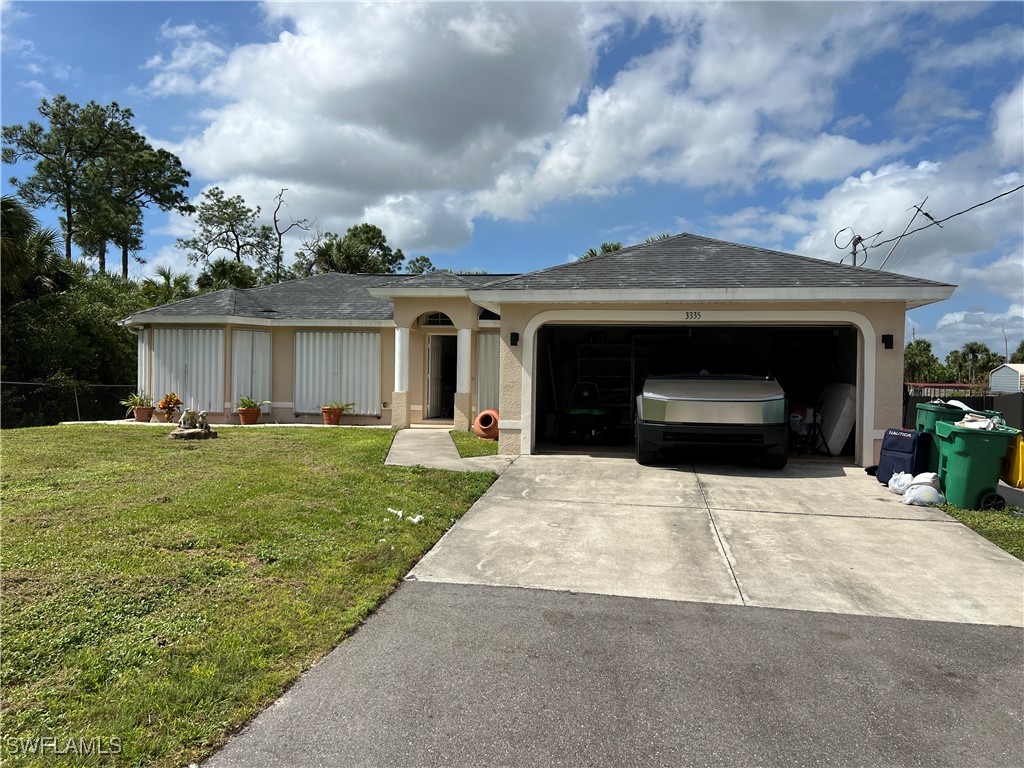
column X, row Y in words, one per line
column 582, row 671
column 816, row 536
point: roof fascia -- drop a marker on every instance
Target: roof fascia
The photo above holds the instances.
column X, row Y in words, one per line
column 916, row 296
column 295, row 322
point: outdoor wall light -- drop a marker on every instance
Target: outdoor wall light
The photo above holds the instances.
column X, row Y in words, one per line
column 887, row 340
column 513, row 339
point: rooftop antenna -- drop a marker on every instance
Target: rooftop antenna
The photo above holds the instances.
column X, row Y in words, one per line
column 917, row 209
column 856, row 241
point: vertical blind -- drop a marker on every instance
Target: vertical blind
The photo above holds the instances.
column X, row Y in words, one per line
column 250, row 366
column 337, row 365
column 190, row 363
column 487, row 371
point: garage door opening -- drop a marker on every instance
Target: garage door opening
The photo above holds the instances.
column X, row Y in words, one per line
column 588, row 377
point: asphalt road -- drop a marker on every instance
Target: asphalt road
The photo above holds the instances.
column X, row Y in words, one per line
column 462, row 675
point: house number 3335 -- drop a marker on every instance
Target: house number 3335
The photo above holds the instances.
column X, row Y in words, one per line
column 693, row 315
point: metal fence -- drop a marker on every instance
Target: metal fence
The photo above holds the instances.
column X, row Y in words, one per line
column 43, row 403
column 1011, row 406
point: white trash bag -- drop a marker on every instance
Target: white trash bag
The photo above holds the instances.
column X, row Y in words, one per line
column 899, row 482
column 925, row 478
column 923, row 496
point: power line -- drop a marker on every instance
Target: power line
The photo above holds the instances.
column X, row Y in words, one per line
column 935, row 222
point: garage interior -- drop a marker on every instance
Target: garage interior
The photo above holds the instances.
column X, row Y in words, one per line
column 588, row 377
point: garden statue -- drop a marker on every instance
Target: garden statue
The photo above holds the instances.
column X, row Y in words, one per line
column 193, row 426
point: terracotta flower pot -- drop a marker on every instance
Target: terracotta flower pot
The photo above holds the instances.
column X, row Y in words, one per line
column 486, row 424
column 331, row 416
column 144, row 413
column 248, row 415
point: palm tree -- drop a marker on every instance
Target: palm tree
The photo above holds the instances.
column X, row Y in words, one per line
column 605, row 248
column 226, row 273
column 30, row 259
column 170, row 286
column 973, row 351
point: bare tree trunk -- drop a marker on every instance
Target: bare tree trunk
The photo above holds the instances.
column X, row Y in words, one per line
column 101, row 254
column 124, row 261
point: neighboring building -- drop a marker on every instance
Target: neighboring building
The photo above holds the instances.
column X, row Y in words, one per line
column 410, row 349
column 1008, row 377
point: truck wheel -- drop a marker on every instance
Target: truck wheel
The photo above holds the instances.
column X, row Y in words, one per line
column 645, row 454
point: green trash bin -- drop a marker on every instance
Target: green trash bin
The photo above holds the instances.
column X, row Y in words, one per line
column 928, row 415
column 970, row 461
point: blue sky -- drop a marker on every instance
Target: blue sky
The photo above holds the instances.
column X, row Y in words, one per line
column 509, row 137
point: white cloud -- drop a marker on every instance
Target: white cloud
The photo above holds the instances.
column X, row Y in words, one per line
column 40, row 90
column 424, row 117
column 1008, row 125
column 883, row 201
column 191, row 59
column 990, row 49
column 822, row 158
column 954, row 329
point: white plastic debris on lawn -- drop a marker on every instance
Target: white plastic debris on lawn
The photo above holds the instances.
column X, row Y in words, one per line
column 917, row 490
column 410, row 518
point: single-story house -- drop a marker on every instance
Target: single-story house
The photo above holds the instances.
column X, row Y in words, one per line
column 413, row 349
column 1008, row 377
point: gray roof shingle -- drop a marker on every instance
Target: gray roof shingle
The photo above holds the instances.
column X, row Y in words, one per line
column 691, row 261
column 681, row 262
column 332, row 296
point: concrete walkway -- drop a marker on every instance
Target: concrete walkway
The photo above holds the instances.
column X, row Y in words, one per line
column 432, row 447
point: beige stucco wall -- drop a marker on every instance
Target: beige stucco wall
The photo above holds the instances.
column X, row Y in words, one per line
column 282, row 376
column 874, row 318
column 407, row 312
column 462, row 312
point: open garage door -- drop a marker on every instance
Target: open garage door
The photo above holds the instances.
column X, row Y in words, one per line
column 588, row 376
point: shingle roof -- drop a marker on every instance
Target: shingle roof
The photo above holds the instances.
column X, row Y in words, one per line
column 445, row 279
column 329, row 297
column 691, row 261
column 681, row 262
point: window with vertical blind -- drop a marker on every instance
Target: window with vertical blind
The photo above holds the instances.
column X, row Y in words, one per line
column 250, row 366
column 142, row 370
column 337, row 365
column 488, row 367
column 190, row 363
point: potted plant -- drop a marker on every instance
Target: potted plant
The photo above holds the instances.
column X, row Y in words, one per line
column 249, row 409
column 332, row 411
column 169, row 405
column 140, row 404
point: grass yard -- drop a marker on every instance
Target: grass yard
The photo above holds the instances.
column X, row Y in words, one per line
column 1004, row 528
column 158, row 594
column 470, row 445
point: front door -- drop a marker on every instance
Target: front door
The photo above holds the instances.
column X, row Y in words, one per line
column 442, row 359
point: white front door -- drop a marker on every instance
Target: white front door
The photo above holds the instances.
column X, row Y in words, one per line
column 435, row 352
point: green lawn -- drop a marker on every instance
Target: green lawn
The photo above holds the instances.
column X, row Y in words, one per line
column 470, row 445
column 1005, row 528
column 161, row 593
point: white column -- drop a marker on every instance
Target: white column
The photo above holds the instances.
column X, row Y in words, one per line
column 401, row 359
column 464, row 376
